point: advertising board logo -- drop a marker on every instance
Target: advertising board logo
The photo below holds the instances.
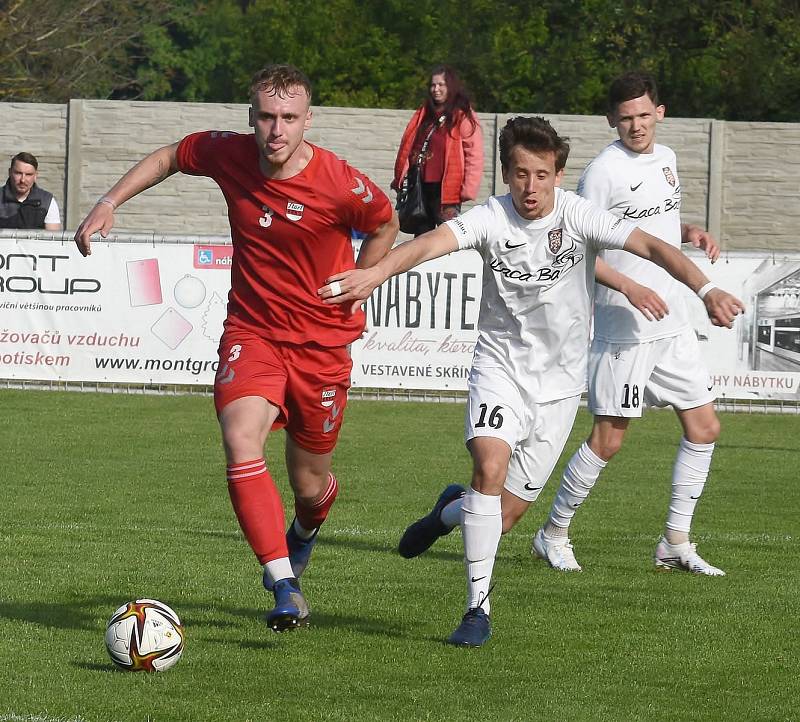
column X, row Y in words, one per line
column 216, row 256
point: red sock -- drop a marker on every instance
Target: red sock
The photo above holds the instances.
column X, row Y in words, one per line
column 258, row 508
column 311, row 517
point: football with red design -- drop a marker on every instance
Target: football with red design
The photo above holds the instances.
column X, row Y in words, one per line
column 145, row 636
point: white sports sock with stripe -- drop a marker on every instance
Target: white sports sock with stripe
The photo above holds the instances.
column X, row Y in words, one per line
column 689, row 475
column 482, row 525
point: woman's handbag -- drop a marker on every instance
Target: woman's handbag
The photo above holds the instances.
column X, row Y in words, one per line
column 411, row 211
column 410, row 206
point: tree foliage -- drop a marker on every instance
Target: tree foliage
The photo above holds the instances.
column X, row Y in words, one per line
column 729, row 59
column 60, row 49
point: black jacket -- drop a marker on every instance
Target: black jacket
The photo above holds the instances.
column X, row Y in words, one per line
column 29, row 213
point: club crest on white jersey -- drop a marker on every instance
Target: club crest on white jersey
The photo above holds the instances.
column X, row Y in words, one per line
column 554, row 238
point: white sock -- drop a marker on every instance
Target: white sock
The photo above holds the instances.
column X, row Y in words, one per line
column 579, row 477
column 689, row 475
column 278, row 569
column 302, row 532
column 482, row 525
column 451, row 514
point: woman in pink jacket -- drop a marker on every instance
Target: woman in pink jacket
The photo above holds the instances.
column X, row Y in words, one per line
column 452, row 165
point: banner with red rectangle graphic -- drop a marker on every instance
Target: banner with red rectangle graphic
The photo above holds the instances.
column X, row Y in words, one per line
column 152, row 313
column 129, row 313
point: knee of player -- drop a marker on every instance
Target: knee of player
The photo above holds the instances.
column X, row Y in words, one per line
column 708, row 433
column 510, row 520
column 488, row 475
column 241, row 441
column 605, row 447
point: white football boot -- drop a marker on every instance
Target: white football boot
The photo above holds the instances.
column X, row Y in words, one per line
column 684, row 557
column 556, row 551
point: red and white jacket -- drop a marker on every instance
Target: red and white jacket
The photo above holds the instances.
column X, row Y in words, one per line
column 463, row 158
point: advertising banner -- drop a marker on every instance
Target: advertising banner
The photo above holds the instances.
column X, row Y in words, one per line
column 129, row 313
column 422, row 327
column 760, row 357
column 152, row 313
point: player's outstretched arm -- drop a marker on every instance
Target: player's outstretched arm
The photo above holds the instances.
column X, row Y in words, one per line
column 721, row 306
column 645, row 299
column 356, row 286
column 149, row 171
column 700, row 239
column 377, row 244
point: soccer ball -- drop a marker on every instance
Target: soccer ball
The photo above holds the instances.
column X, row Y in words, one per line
column 145, row 635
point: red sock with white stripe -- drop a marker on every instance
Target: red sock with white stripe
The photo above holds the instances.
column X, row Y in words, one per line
column 309, row 518
column 258, row 508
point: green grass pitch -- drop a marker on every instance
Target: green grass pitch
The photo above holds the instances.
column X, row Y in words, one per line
column 106, row 498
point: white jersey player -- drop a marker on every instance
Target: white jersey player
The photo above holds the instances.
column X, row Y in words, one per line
column 640, row 355
column 539, row 245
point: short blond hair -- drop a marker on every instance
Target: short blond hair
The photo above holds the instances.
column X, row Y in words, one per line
column 280, row 80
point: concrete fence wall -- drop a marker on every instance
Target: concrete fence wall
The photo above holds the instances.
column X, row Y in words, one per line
column 740, row 180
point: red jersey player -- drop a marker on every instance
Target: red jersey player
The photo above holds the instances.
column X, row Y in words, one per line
column 283, row 359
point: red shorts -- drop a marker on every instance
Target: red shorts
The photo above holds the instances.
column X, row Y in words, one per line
column 307, row 383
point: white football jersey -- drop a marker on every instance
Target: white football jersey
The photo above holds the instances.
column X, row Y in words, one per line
column 538, row 280
column 642, row 188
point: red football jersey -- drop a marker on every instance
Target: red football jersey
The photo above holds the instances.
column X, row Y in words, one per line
column 288, row 236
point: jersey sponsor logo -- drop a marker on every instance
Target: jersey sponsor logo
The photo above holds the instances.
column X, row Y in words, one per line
column 266, row 219
column 328, row 396
column 669, row 175
column 459, row 224
column 636, row 214
column 510, row 245
column 637, row 186
column 562, row 263
column 362, row 190
column 554, row 239
column 294, row 211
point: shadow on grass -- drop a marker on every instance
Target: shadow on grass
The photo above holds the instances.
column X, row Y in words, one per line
column 740, row 447
column 77, row 614
column 82, row 615
column 367, row 546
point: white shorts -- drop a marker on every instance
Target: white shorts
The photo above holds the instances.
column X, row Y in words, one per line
column 625, row 377
column 535, row 432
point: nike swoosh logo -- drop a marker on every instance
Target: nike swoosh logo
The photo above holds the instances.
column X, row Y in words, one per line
column 477, row 579
column 636, row 187
column 528, row 487
column 694, row 497
column 510, row 245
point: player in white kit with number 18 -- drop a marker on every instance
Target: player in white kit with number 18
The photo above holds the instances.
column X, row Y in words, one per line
column 640, row 354
column 539, row 245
